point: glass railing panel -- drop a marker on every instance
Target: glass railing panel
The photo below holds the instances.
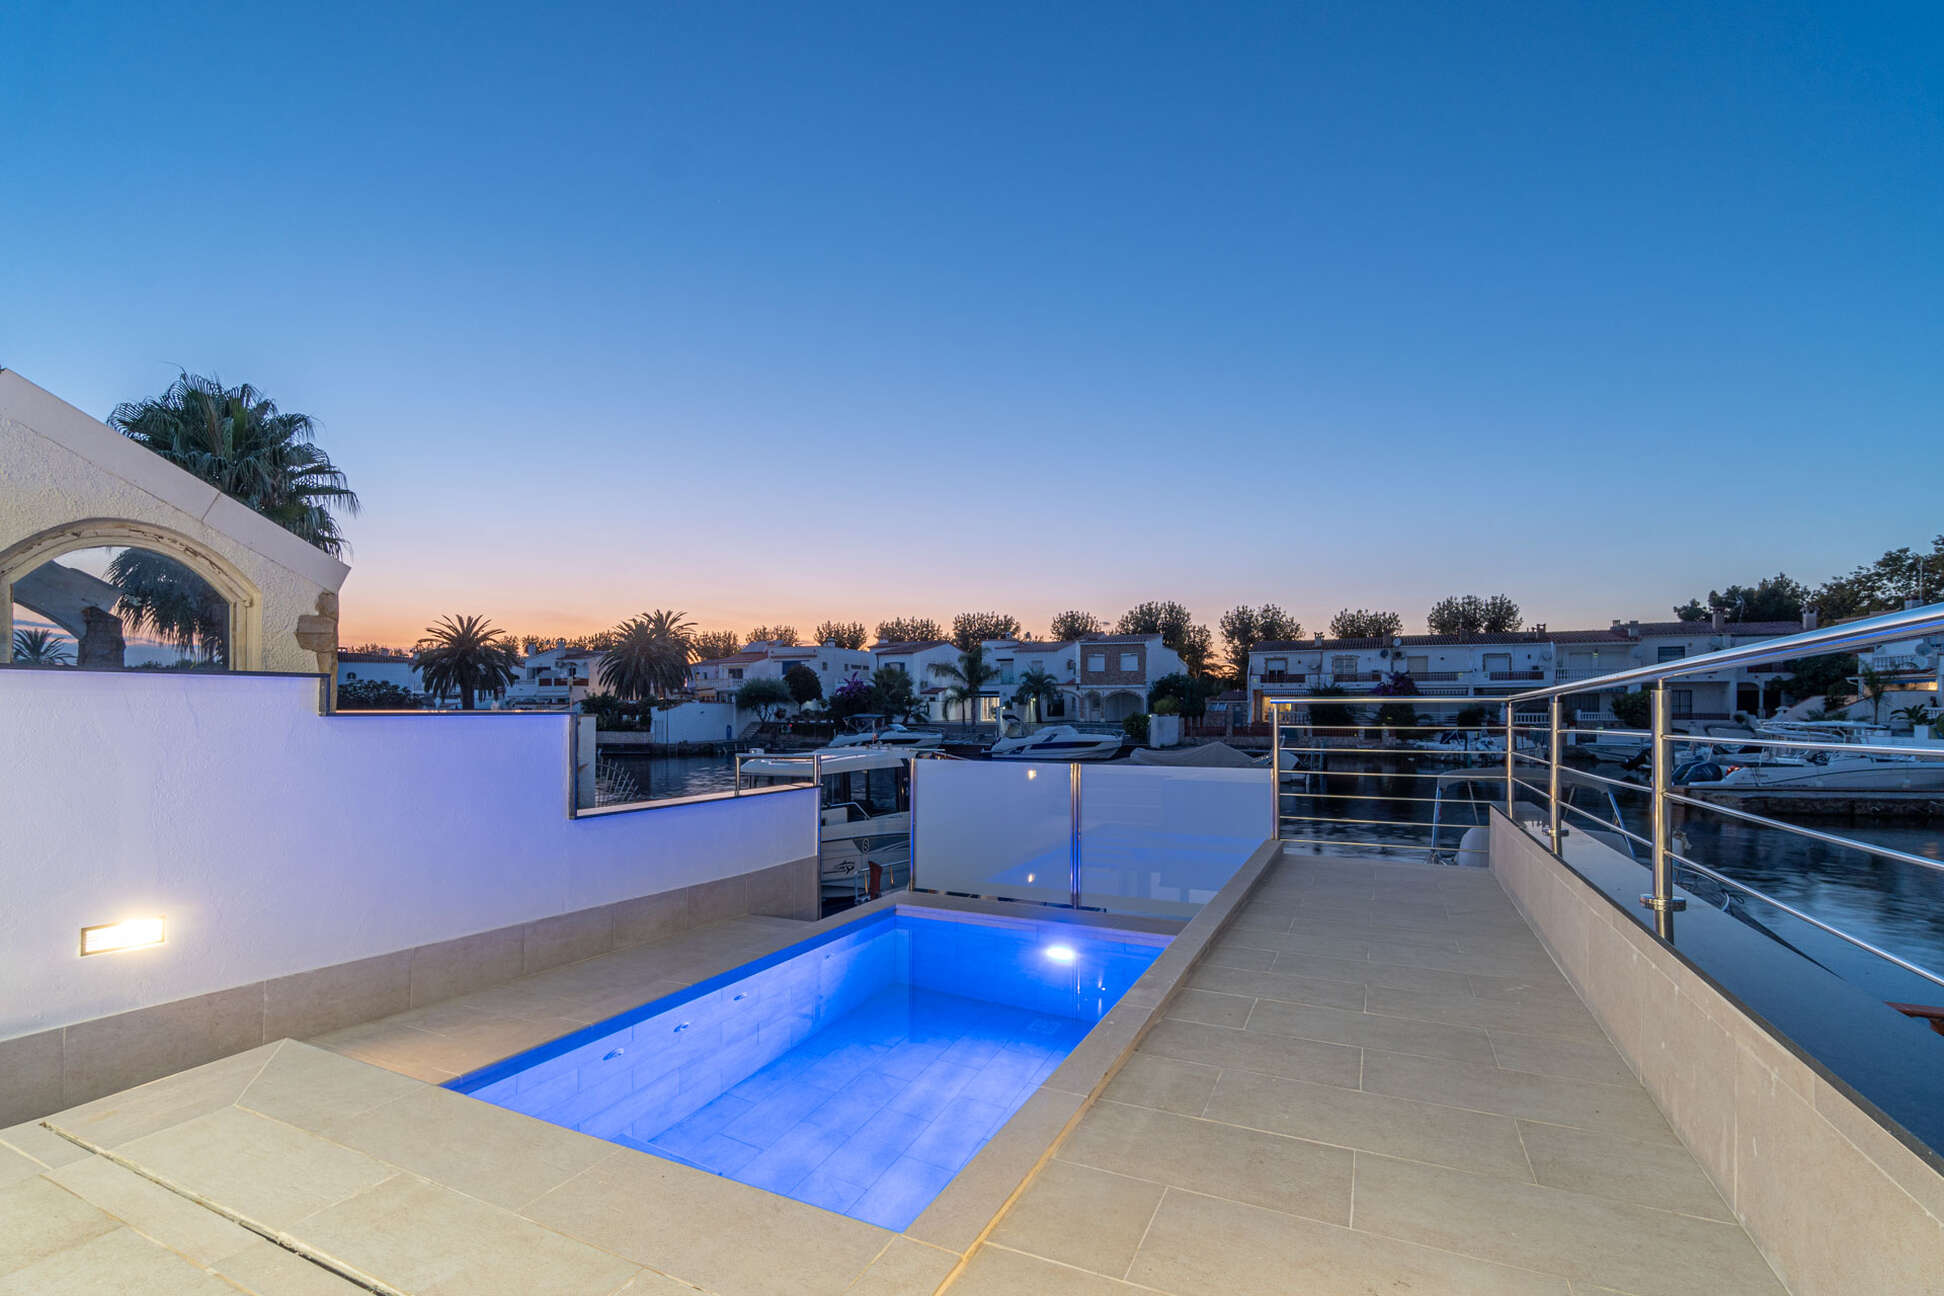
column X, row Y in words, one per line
column 1164, row 841
column 993, row 828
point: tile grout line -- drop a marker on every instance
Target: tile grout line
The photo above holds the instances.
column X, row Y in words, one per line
column 1146, row 1228
column 264, row 1231
column 1409, row 1160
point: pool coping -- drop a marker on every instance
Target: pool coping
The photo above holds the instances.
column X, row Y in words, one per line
column 931, row 1251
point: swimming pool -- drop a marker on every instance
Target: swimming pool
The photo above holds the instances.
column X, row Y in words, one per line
column 857, row 1071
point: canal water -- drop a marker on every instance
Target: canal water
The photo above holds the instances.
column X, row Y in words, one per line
column 661, row 777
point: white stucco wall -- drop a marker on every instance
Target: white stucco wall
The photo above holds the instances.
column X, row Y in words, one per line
column 276, row 840
column 58, row 466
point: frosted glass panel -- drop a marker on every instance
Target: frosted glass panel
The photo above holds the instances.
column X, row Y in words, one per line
column 1164, row 841
column 993, row 828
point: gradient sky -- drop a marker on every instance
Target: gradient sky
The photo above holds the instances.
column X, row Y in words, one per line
column 780, row 312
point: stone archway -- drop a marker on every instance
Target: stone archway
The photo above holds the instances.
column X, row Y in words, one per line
column 66, row 601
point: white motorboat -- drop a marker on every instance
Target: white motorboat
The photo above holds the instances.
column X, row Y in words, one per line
column 1459, row 741
column 890, row 736
column 1058, row 743
column 1816, row 772
column 1754, row 767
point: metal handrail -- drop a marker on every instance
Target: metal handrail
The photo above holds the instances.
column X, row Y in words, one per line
column 1791, row 910
column 1910, row 623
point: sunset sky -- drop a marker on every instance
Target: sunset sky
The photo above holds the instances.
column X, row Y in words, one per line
column 786, row 312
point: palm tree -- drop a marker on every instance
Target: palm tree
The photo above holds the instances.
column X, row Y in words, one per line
column 40, row 648
column 237, row 440
column 970, row 674
column 1875, row 685
column 466, row 655
column 649, row 657
column 165, row 598
column 1036, row 687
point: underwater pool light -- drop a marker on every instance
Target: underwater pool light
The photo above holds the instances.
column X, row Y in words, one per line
column 1060, row 953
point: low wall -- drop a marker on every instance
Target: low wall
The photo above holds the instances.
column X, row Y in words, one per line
column 1837, row 1202
column 278, row 842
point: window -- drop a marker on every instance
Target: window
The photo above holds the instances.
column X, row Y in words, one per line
column 1277, row 665
column 735, row 672
column 1097, row 661
column 1683, row 699
column 1671, row 652
column 1417, row 665
column 1343, row 665
column 1130, row 661
column 894, row 665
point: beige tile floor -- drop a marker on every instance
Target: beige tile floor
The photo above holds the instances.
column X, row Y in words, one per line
column 1376, row 1082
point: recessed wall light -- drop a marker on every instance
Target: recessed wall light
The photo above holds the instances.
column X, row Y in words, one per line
column 128, row 934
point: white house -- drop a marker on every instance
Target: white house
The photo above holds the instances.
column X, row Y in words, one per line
column 379, row 668
column 554, row 677
column 1497, row 665
column 719, row 678
column 1105, row 678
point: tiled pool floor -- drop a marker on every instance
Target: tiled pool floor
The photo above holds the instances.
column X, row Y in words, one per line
column 849, row 1120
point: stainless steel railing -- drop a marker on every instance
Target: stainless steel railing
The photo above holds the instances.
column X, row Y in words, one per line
column 1662, row 743
column 1530, row 773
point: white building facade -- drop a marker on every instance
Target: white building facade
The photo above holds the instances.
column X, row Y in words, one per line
column 1498, row 665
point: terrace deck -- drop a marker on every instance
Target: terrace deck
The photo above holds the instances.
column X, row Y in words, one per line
column 1372, row 1080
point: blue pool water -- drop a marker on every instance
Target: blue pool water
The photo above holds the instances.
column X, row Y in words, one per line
column 857, row 1072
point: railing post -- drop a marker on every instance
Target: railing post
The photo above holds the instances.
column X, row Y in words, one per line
column 1275, row 772
column 1511, row 745
column 1073, row 832
column 911, row 825
column 1662, row 900
column 1552, row 778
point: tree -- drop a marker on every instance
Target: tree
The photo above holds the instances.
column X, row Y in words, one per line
column 845, row 634
column 783, row 636
column 893, row 694
column 237, row 440
column 40, row 648
column 969, row 628
column 1364, row 623
column 649, row 657
column 1036, row 689
column 1822, row 676
column 1177, row 628
column 1470, row 614
column 1189, row 694
column 1775, row 598
column 854, row 696
column 375, row 695
column 968, row 676
column 165, row 598
column 1875, row 685
column 803, row 684
column 1883, row 585
column 1068, row 626
column 711, row 644
column 467, row 655
column 1634, row 710
column 1244, row 627
column 909, row 630
column 1397, row 715
column 1331, row 715
column 761, row 695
